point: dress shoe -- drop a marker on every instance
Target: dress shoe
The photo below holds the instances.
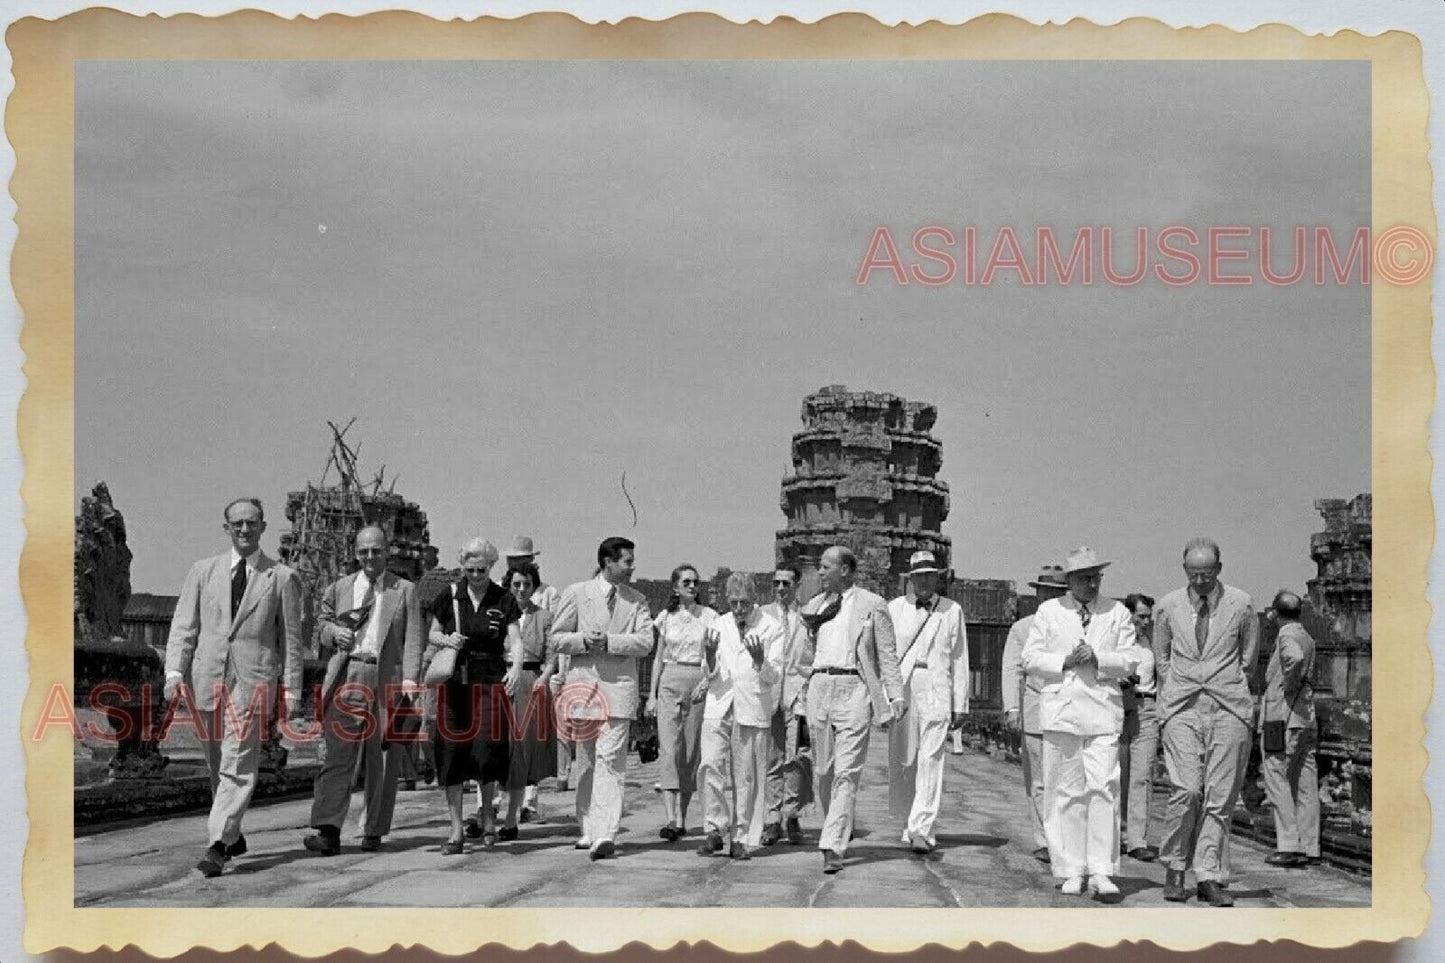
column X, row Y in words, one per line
column 370, row 844
column 583, row 843
column 603, row 849
column 1042, row 854
column 712, row 843
column 919, row 845
column 408, row 785
column 772, row 832
column 1211, row 892
column 238, row 848
column 1144, row 854
column 1174, row 890
column 508, row 833
column 669, row 832
column 562, row 786
column 1073, row 886
column 1287, row 859
column 324, row 844
column 739, row 851
column 1102, row 888
column 1314, row 860
column 214, row 861
column 795, row 831
column 473, row 828
column 528, row 814
column 832, row 862
column 453, row 847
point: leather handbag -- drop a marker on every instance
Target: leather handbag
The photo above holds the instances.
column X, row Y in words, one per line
column 443, row 665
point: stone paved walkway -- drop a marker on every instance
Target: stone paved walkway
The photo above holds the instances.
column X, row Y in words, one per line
column 983, row 860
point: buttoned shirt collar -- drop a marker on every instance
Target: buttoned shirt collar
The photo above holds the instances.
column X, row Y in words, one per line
column 251, row 559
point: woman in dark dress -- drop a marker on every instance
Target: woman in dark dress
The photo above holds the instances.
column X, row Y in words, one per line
column 471, row 738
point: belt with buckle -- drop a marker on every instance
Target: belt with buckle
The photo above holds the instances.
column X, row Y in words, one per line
column 364, row 657
column 688, row 665
column 1146, row 695
column 531, row 666
column 835, row 670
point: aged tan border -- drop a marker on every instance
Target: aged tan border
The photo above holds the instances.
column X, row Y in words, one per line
column 39, row 121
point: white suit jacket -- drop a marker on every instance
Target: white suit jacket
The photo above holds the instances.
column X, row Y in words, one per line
column 262, row 643
column 751, row 693
column 602, row 683
column 941, row 644
column 1082, row 701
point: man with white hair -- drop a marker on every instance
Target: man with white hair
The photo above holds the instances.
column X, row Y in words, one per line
column 1080, row 646
column 742, row 676
column 933, row 664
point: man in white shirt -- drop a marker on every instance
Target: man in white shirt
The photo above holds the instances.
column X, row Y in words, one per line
column 371, row 621
column 1021, row 704
column 605, row 626
column 742, row 676
column 933, row 663
column 854, row 682
column 236, row 630
column 789, row 768
column 1080, row 647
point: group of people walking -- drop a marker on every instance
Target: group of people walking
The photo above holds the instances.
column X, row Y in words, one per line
column 761, row 709
column 1094, row 683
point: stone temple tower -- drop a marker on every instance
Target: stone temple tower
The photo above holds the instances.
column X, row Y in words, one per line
column 865, row 475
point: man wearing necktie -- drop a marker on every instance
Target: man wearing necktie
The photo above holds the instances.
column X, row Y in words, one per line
column 605, row 626
column 235, row 632
column 1080, row 647
column 1206, row 641
column 933, row 663
column 789, row 786
column 371, row 620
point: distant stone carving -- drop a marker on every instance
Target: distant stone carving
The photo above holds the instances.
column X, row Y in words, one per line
column 102, row 567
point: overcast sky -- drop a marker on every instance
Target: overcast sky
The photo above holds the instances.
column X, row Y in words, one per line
column 526, row 278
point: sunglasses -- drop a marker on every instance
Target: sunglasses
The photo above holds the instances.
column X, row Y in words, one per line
column 782, row 581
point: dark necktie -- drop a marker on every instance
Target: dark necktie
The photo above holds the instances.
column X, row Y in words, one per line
column 1201, row 624
column 1085, row 615
column 611, row 598
column 238, row 586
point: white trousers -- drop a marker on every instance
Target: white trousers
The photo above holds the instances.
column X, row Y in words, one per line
column 601, row 774
column 733, row 775
column 1081, row 803
column 915, row 769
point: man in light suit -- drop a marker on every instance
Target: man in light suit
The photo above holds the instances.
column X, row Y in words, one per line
column 371, row 620
column 1206, row 640
column 853, row 683
column 742, row 676
column 933, row 664
column 605, row 626
column 1291, row 773
column 235, row 632
column 1021, row 703
column 789, row 771
column 1081, row 646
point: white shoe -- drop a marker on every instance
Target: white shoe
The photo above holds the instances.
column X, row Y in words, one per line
column 1073, row 886
column 1102, row 886
column 583, row 843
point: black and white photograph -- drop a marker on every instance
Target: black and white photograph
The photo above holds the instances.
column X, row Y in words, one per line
column 747, row 484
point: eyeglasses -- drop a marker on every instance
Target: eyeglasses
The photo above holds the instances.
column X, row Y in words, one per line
column 369, row 552
column 475, row 571
column 782, row 581
column 687, row 581
column 243, row 525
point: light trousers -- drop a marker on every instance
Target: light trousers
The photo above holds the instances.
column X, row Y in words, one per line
column 915, row 768
column 839, row 719
column 232, row 762
column 1081, row 814
column 345, row 738
column 1137, row 752
column 1291, row 781
column 601, row 774
column 1033, row 759
column 785, row 777
column 734, row 774
column 1206, row 748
